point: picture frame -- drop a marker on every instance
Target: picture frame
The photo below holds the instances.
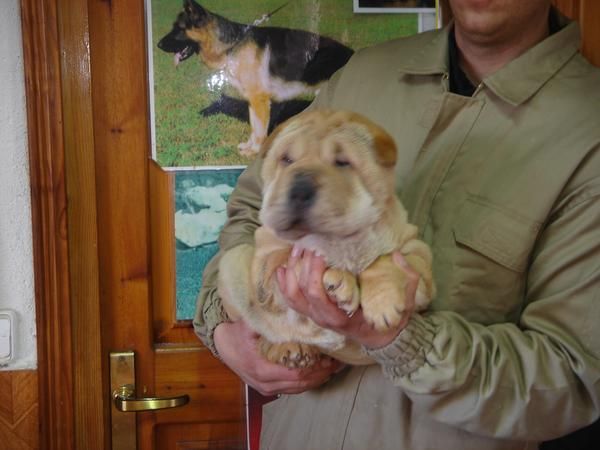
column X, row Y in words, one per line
column 394, row 6
column 198, row 115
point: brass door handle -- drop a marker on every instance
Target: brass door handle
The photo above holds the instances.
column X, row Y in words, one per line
column 125, row 400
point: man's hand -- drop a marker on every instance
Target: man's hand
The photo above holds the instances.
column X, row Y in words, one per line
column 305, row 293
column 237, row 346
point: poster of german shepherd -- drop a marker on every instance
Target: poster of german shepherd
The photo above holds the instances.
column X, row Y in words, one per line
column 225, row 72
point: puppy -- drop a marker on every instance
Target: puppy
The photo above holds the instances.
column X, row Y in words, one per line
column 328, row 187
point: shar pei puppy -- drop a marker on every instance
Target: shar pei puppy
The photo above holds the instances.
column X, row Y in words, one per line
column 329, row 187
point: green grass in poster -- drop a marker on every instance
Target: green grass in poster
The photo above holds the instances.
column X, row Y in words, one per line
column 183, row 136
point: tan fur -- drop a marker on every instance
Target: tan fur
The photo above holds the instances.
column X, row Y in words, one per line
column 212, row 50
column 355, row 222
column 246, row 67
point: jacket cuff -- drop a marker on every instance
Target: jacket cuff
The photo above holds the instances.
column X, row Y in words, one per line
column 211, row 315
column 214, row 315
column 408, row 352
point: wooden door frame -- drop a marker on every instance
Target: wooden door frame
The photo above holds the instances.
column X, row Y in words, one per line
column 72, row 405
column 72, row 374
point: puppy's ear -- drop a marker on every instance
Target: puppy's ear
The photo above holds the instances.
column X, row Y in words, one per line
column 385, row 147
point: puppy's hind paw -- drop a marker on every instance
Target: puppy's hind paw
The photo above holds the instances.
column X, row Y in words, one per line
column 292, row 355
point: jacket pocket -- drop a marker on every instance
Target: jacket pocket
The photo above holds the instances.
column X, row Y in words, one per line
column 491, row 256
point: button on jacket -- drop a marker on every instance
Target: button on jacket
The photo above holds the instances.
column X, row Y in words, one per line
column 505, row 188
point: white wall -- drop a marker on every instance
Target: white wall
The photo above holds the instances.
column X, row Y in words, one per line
column 16, row 261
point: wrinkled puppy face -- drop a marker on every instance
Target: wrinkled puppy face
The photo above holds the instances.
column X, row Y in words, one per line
column 327, row 173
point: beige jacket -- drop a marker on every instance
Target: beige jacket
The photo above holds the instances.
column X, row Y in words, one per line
column 505, row 187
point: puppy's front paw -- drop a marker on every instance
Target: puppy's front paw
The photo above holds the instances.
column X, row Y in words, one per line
column 383, row 314
column 341, row 286
column 383, row 296
column 290, row 354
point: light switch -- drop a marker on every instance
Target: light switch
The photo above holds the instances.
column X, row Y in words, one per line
column 7, row 325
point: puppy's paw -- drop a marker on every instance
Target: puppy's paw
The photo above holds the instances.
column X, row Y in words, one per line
column 383, row 314
column 290, row 354
column 341, row 286
column 383, row 297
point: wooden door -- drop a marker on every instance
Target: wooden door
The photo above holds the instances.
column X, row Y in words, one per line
column 134, row 200
column 105, row 253
column 136, row 245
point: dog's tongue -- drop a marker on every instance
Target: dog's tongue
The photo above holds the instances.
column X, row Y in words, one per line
column 177, row 58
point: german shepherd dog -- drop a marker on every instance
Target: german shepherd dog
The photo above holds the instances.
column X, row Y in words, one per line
column 264, row 64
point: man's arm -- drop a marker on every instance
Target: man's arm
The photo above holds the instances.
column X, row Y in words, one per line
column 242, row 212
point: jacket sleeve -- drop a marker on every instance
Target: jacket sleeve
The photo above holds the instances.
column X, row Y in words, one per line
column 242, row 213
column 534, row 380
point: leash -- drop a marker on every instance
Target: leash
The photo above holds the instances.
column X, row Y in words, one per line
column 267, row 16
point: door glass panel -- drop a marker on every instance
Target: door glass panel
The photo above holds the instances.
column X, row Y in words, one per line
column 200, row 202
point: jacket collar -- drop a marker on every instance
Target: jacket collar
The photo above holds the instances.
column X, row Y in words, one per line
column 432, row 56
column 517, row 81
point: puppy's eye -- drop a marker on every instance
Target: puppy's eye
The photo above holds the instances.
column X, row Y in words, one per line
column 341, row 162
column 286, row 160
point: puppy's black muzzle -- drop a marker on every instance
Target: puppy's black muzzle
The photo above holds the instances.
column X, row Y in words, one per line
column 303, row 192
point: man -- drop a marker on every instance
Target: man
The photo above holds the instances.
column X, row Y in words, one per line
column 497, row 120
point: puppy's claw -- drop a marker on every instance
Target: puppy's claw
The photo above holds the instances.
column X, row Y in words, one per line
column 342, row 288
column 331, row 287
column 290, row 354
column 385, row 319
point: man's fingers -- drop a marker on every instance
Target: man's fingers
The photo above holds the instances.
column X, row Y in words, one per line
column 282, row 387
column 314, row 282
column 266, row 371
column 281, row 279
column 249, row 332
column 291, row 290
column 412, row 284
column 271, row 379
column 399, row 259
column 305, row 271
column 237, row 345
column 413, row 276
